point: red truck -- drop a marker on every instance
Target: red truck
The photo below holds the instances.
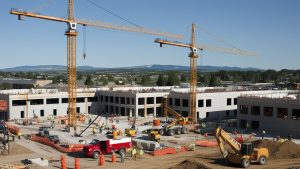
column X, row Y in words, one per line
column 97, row 147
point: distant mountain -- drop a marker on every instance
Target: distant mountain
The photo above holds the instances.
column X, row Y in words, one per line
column 155, row 67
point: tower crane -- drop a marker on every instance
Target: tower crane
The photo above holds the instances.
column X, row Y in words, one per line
column 193, row 55
column 71, row 34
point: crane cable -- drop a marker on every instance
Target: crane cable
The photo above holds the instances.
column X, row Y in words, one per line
column 114, row 14
column 218, row 38
column 42, row 6
column 84, row 40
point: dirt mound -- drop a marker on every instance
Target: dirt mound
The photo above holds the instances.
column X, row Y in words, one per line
column 15, row 148
column 190, row 164
column 279, row 150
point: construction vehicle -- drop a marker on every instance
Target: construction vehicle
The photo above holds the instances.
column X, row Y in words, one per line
column 176, row 126
column 243, row 154
column 98, row 147
column 131, row 132
column 154, row 136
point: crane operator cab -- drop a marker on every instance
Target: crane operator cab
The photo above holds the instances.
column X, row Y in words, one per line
column 246, row 148
column 72, row 25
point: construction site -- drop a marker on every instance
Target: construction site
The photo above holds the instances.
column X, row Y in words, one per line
column 147, row 127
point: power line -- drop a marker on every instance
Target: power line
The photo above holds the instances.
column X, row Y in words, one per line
column 114, row 14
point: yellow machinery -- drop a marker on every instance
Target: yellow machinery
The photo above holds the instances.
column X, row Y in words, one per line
column 243, row 154
column 131, row 132
column 176, row 126
column 154, row 136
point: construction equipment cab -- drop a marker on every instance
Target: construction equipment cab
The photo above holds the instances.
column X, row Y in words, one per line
column 243, row 154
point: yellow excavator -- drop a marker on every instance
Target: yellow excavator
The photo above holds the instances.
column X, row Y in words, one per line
column 175, row 127
column 243, row 154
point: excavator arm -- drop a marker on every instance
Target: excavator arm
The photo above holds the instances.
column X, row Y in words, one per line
column 223, row 137
column 179, row 118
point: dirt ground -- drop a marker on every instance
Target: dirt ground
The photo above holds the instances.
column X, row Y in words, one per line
column 201, row 158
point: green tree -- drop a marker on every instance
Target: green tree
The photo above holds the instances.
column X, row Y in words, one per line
column 110, row 78
column 145, row 80
column 5, row 86
column 183, row 78
column 172, row 79
column 89, row 81
column 203, row 79
column 103, row 80
column 214, row 81
column 79, row 76
column 161, row 81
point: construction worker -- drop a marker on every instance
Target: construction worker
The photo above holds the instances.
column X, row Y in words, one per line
column 133, row 153
column 140, row 153
column 94, row 130
column 263, row 134
column 247, row 127
column 122, row 156
column 100, row 129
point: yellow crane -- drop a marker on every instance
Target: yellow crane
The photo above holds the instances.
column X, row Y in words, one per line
column 71, row 34
column 193, row 55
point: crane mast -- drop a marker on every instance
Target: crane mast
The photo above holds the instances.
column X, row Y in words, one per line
column 71, row 34
column 193, row 69
column 193, row 75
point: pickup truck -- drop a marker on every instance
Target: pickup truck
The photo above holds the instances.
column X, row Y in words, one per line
column 97, row 147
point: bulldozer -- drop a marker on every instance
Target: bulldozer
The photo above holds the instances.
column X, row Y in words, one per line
column 244, row 154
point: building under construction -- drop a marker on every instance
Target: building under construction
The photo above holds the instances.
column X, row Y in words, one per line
column 275, row 113
column 212, row 103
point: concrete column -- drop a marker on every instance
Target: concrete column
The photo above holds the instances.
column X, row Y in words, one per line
column 130, row 112
column 262, row 110
column 145, row 106
column 154, row 111
column 290, row 113
column 136, row 106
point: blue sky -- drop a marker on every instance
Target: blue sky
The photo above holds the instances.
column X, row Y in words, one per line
column 270, row 28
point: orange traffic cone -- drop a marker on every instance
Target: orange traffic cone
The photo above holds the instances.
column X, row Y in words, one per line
column 113, row 157
column 63, row 162
column 77, row 163
column 101, row 160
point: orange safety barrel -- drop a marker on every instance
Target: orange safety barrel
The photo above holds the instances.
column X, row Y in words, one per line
column 156, row 122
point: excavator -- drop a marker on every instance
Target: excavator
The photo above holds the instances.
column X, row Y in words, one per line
column 176, row 126
column 243, row 154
